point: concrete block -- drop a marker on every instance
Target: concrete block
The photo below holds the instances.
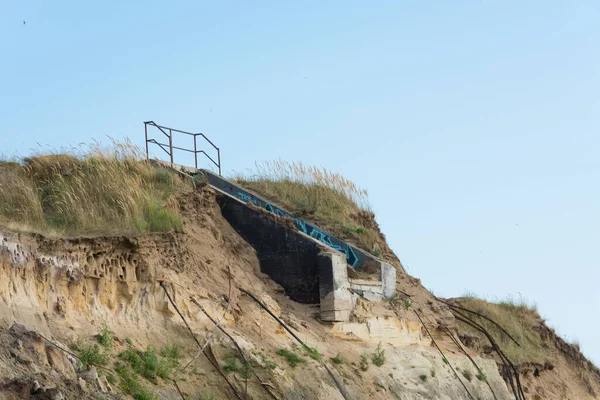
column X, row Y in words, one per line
column 388, row 281
column 336, row 299
column 366, row 289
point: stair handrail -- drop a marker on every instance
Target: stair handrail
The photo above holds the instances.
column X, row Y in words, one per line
column 168, row 147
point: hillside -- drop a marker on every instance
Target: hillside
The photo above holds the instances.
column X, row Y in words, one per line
column 128, row 282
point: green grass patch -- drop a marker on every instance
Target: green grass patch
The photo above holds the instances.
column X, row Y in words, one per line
column 90, row 354
column 150, row 364
column 106, row 338
column 481, row 376
column 130, row 383
column 292, row 358
column 313, row 353
column 234, row 364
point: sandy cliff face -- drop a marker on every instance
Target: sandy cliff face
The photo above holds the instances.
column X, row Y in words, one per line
column 69, row 289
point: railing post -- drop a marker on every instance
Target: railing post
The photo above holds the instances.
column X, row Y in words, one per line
column 219, row 159
column 171, row 145
column 146, row 134
column 195, row 153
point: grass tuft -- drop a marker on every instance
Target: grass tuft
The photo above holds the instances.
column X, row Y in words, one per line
column 292, row 358
column 89, row 189
column 378, row 357
column 313, row 353
column 364, row 362
column 467, row 374
column 337, row 360
column 106, row 338
column 244, row 369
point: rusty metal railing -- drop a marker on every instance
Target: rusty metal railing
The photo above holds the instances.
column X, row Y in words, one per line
column 169, row 147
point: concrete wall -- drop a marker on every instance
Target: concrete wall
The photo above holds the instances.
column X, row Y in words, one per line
column 287, row 256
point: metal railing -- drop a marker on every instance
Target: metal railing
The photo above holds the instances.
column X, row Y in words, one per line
column 168, row 147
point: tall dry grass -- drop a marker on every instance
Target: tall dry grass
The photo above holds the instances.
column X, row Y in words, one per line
column 518, row 317
column 315, row 194
column 89, row 189
column 317, row 184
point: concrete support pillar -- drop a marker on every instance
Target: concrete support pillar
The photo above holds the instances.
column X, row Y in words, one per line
column 336, row 299
column 388, row 281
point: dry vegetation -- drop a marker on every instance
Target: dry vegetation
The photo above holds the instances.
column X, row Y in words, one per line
column 520, row 319
column 320, row 196
column 88, row 189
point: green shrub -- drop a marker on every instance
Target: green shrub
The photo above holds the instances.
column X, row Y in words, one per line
column 106, row 338
column 423, row 378
column 91, row 354
column 378, row 357
column 481, row 376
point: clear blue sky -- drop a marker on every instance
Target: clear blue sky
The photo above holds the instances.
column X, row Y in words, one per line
column 473, row 125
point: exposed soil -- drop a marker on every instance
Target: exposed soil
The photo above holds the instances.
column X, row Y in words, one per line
column 71, row 288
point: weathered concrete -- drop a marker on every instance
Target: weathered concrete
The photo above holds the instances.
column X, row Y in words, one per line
column 388, row 281
column 366, row 288
column 336, row 299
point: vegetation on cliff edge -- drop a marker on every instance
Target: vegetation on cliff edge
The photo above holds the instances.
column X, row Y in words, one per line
column 89, row 189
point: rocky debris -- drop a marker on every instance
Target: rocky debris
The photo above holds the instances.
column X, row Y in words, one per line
column 25, row 388
column 29, row 347
column 60, row 362
column 90, row 379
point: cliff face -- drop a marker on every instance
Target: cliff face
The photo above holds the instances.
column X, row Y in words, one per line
column 68, row 304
